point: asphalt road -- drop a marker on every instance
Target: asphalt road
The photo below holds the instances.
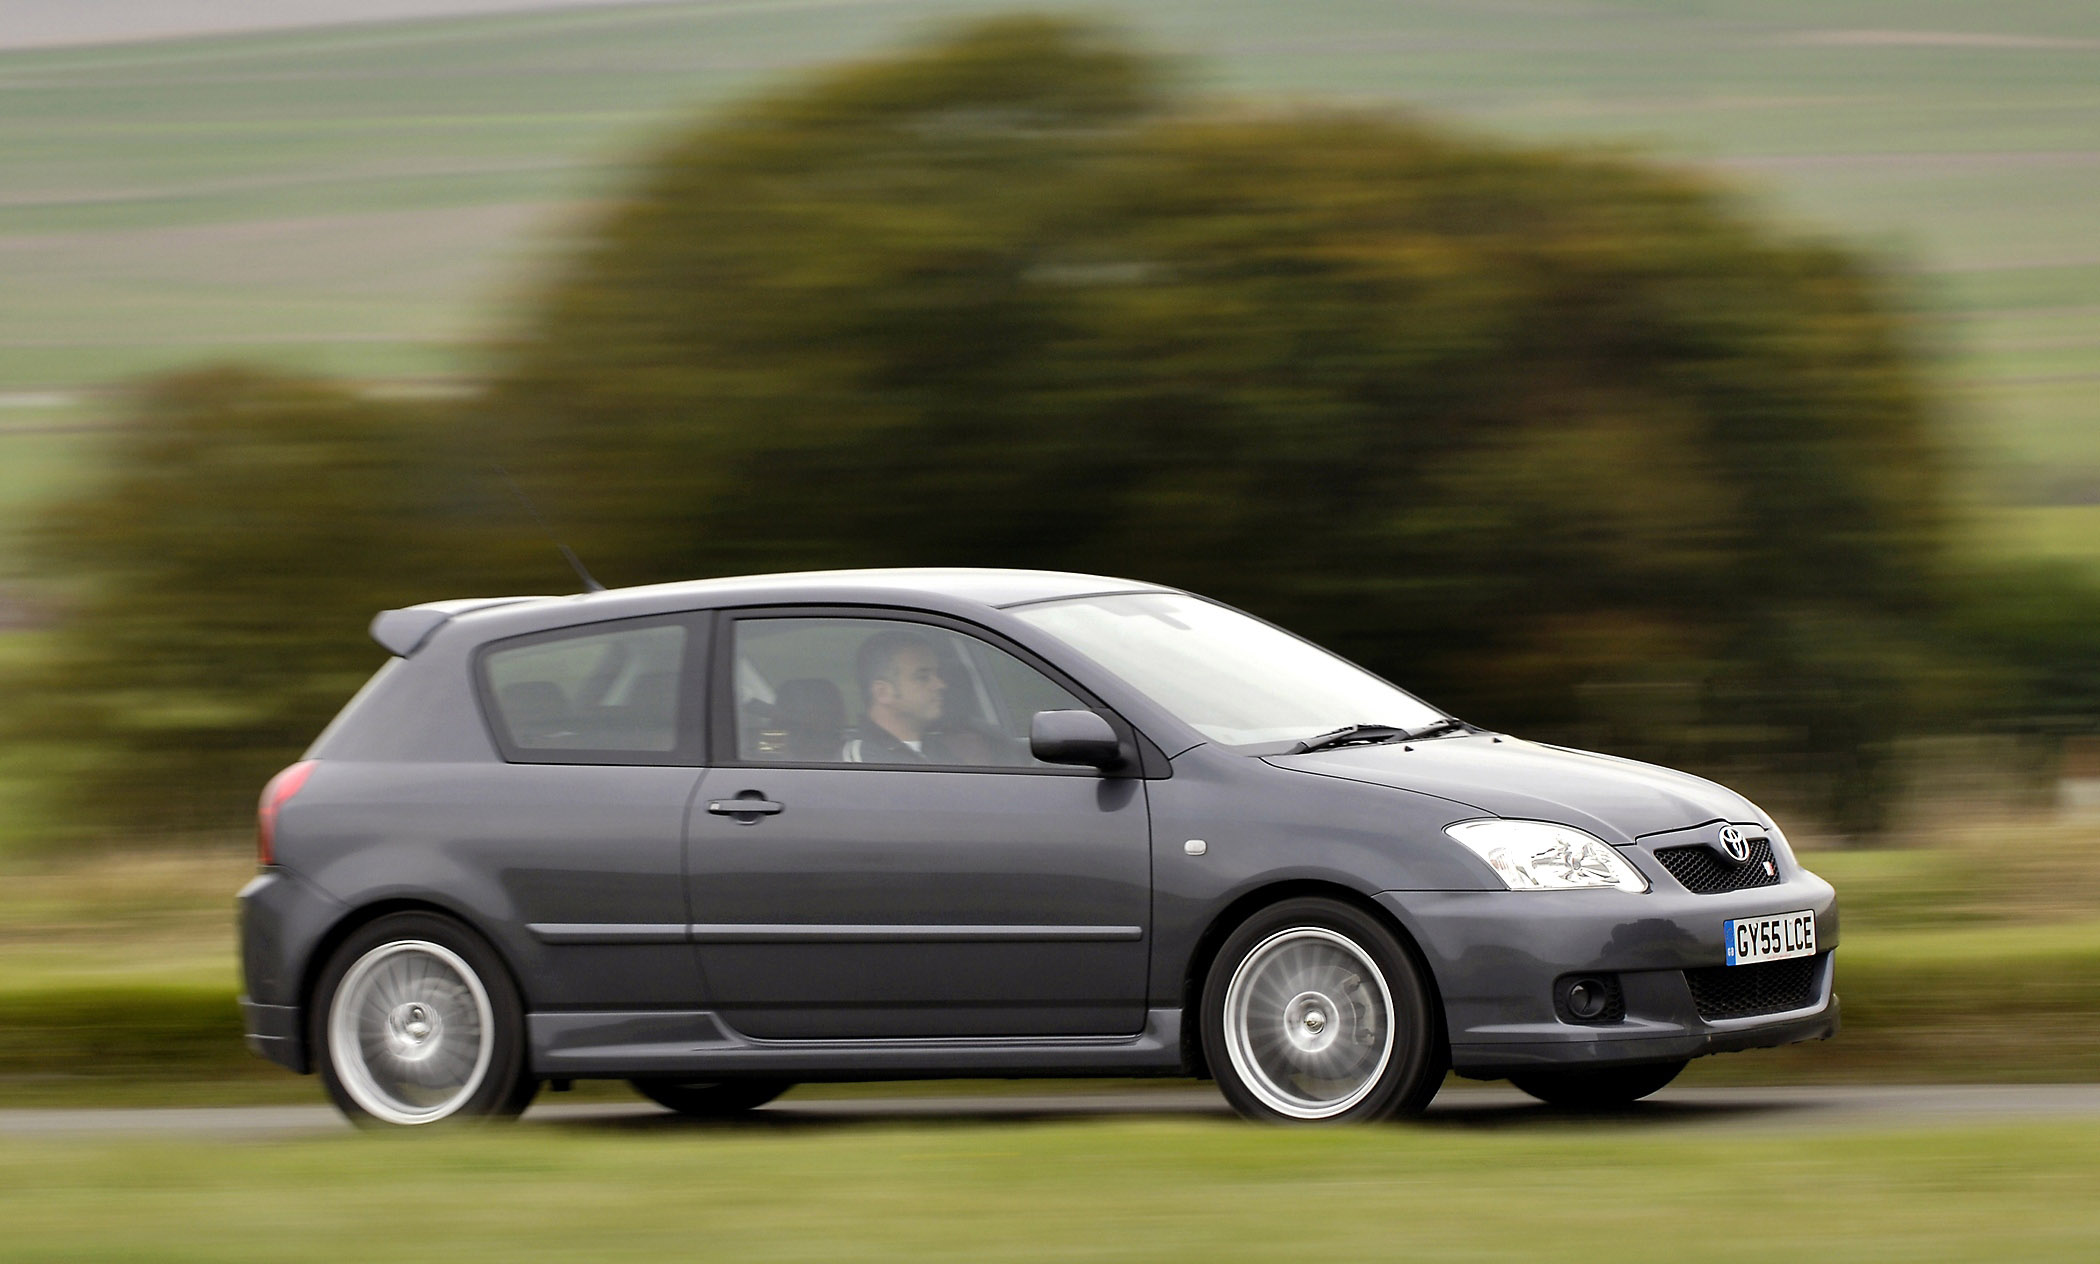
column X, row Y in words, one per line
column 1713, row 1109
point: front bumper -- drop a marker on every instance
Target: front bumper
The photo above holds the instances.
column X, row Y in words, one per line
column 1642, row 1041
column 1497, row 955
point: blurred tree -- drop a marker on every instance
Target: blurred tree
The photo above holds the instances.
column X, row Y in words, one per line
column 2031, row 628
column 221, row 580
column 1562, row 441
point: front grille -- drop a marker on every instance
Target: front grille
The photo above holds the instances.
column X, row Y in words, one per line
column 1769, row 987
column 1704, row 871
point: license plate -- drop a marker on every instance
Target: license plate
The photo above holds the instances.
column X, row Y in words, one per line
column 1775, row 938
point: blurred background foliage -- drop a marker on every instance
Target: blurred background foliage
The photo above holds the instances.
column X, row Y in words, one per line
column 1572, row 445
column 221, row 577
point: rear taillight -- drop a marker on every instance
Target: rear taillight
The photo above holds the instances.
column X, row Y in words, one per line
column 274, row 796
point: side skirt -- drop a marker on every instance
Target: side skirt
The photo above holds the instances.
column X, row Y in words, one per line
column 586, row 1044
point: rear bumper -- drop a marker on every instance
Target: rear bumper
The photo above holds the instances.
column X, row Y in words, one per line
column 281, row 919
column 274, row 1033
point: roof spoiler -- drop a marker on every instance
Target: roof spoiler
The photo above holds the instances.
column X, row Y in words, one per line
column 404, row 631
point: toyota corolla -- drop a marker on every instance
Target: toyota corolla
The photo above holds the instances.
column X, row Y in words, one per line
column 721, row 837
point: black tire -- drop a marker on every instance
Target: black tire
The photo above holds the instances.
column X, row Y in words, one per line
column 1360, row 1006
column 1598, row 1088
column 711, row 1099
column 415, row 1021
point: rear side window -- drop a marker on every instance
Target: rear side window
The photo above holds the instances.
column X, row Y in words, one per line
column 600, row 693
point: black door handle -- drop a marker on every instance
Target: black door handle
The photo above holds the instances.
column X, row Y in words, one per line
column 746, row 807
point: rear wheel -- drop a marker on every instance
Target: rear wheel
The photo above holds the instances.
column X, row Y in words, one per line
column 1314, row 1012
column 416, row 1021
column 711, row 1099
column 1597, row 1088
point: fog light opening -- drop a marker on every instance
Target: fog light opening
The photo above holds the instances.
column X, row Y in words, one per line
column 1589, row 998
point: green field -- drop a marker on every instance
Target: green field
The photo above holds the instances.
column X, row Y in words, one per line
column 373, row 201
column 377, row 202
column 1136, row 1190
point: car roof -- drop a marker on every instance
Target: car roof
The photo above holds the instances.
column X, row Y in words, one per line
column 987, row 586
column 957, row 589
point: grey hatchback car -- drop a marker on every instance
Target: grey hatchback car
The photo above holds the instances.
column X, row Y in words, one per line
column 718, row 838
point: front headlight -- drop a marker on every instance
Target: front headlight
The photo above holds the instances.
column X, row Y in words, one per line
column 1540, row 856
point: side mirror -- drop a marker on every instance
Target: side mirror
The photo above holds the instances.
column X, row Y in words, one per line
column 1074, row 737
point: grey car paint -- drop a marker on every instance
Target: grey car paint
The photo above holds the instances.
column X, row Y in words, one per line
column 997, row 903
column 651, row 936
column 1618, row 800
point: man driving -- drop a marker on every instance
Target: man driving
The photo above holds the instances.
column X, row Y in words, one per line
column 902, row 687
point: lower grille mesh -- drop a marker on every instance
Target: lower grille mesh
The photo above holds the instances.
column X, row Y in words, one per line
column 1769, row 987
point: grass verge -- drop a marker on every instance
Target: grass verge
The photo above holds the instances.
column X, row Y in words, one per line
column 1101, row 1190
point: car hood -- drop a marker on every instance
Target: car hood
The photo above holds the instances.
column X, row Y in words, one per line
column 1616, row 799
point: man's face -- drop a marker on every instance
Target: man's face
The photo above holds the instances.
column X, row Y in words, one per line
column 915, row 685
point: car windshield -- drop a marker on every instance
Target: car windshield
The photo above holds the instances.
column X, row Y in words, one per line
column 1235, row 679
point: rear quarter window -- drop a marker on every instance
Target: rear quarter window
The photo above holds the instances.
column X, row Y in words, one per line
column 611, row 691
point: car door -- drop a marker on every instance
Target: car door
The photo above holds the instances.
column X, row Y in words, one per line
column 847, row 882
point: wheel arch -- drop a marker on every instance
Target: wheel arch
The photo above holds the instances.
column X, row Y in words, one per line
column 364, row 915
column 1249, row 903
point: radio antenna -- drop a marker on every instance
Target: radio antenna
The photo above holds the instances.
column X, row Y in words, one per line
column 568, row 554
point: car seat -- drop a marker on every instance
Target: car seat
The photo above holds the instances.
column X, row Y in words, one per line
column 811, row 714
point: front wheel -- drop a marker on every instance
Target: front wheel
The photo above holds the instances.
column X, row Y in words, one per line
column 715, row 1099
column 1315, row 1012
column 1597, row 1088
column 416, row 1021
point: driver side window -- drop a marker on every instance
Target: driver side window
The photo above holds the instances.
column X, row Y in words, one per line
column 886, row 692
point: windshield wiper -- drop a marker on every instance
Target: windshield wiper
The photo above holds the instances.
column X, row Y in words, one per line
column 1354, row 734
column 1441, row 727
column 1350, row 734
